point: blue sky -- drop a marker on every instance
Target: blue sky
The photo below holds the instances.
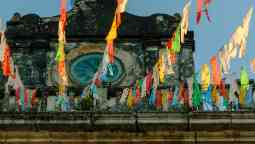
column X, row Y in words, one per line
column 226, row 16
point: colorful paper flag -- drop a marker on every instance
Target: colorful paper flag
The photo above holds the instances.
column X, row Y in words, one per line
column 216, row 71
column 113, row 33
column 6, row 61
column 244, row 80
column 200, row 4
column 239, row 37
column 196, row 96
column 121, row 8
column 249, row 98
column 205, row 77
column 207, row 100
column 177, row 40
column 215, row 95
column 185, row 21
column 60, row 57
column 253, row 65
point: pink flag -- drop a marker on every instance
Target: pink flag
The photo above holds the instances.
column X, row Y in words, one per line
column 253, row 65
column 200, row 4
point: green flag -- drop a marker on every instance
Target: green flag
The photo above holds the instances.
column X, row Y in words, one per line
column 177, row 40
column 244, row 78
column 196, row 95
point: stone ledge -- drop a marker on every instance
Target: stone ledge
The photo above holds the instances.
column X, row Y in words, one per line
column 137, row 122
column 128, row 137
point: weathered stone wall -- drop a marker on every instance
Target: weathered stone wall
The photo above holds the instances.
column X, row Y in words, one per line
column 33, row 42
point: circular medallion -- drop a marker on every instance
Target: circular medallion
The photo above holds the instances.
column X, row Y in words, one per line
column 83, row 68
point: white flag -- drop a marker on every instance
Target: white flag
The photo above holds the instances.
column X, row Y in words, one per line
column 185, row 21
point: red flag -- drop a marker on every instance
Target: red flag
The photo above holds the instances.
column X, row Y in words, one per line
column 158, row 99
column 63, row 15
column 26, row 99
column 170, row 96
column 110, row 51
column 199, row 10
column 169, row 43
column 183, row 94
column 17, row 91
column 138, row 93
column 148, row 83
column 33, row 99
column 223, row 91
column 97, row 82
column 6, row 61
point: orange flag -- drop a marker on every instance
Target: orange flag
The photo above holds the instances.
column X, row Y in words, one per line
column 63, row 15
column 216, row 73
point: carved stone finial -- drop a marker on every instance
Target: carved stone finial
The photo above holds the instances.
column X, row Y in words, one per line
column 16, row 17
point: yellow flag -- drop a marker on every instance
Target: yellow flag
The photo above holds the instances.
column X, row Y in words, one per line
column 161, row 66
column 112, row 35
column 215, row 96
column 205, row 77
column 130, row 99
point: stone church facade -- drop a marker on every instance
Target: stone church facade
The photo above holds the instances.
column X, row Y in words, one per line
column 33, row 41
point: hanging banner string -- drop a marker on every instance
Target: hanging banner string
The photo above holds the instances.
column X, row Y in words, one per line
column 167, row 57
column 108, row 57
column 225, row 54
column 237, row 40
column 60, row 57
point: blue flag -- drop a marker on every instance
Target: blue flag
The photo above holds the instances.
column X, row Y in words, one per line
column 152, row 97
column 207, row 100
column 249, row 98
column 222, row 104
column 175, row 102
